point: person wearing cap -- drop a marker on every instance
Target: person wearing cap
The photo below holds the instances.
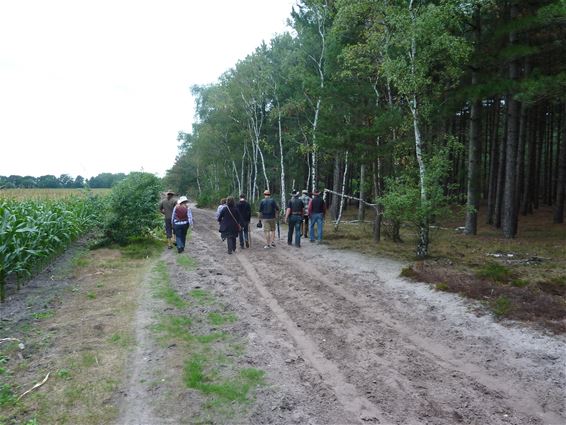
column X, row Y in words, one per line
column 181, row 219
column 305, row 224
column 317, row 211
column 245, row 211
column 294, row 217
column 166, row 208
column 268, row 209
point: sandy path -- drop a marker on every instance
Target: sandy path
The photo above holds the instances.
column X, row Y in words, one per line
column 344, row 340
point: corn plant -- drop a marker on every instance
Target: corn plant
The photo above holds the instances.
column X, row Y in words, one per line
column 33, row 232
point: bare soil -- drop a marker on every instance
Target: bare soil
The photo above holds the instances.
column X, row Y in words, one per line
column 342, row 339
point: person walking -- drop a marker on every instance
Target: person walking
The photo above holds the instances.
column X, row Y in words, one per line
column 245, row 211
column 229, row 220
column 294, row 217
column 305, row 225
column 220, row 207
column 317, row 211
column 268, row 209
column 182, row 219
column 166, row 208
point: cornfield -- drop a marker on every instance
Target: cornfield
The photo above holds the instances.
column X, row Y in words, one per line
column 32, row 232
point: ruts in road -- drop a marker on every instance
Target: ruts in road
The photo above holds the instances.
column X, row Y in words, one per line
column 344, row 340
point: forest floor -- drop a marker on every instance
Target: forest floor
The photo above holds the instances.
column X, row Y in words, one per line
column 310, row 335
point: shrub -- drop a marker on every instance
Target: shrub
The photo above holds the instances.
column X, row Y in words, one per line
column 133, row 208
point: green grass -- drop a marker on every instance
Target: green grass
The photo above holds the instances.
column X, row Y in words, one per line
column 218, row 319
column 122, row 339
column 7, row 397
column 495, row 272
column 140, row 249
column 162, row 286
column 202, row 297
column 186, row 262
column 41, row 315
column 231, row 389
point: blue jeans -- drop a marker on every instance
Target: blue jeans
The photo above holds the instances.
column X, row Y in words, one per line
column 294, row 225
column 181, row 235
column 316, row 219
column 244, row 234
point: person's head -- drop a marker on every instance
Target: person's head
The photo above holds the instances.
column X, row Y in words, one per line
column 183, row 201
column 230, row 201
column 316, row 193
column 170, row 194
column 295, row 193
column 222, row 201
column 242, row 197
column 266, row 193
column 305, row 192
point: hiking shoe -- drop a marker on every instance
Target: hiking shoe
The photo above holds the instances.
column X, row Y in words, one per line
column 266, row 246
column 273, row 244
column 247, row 244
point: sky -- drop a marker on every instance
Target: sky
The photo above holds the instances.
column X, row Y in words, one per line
column 92, row 86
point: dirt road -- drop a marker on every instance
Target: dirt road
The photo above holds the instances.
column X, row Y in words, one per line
column 343, row 340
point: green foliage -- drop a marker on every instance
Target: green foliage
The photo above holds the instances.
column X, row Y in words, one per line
column 494, row 271
column 133, row 208
column 502, row 306
column 402, row 198
column 32, row 232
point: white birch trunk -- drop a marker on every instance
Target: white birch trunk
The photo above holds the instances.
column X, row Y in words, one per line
column 343, row 190
column 281, row 154
column 237, row 177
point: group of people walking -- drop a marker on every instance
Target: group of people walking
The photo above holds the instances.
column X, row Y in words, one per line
column 302, row 214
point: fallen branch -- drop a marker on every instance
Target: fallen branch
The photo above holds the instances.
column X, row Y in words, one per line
column 8, row 340
column 352, row 197
column 39, row 384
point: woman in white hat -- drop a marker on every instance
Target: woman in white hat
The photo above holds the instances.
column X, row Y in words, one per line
column 181, row 219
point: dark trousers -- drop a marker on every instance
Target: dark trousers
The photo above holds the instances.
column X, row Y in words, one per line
column 181, row 235
column 168, row 228
column 305, row 226
column 244, row 234
column 231, row 242
column 294, row 226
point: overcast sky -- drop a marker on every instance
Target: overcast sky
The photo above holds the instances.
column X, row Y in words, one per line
column 104, row 85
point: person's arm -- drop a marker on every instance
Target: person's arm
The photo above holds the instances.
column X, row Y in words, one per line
column 174, row 215
column 288, row 212
column 161, row 209
column 220, row 215
column 309, row 209
column 190, row 215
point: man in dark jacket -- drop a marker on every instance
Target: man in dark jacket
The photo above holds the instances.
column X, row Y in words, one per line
column 166, row 208
column 317, row 210
column 294, row 216
column 268, row 210
column 245, row 211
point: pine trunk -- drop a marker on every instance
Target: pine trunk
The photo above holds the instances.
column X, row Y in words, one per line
column 561, row 177
column 361, row 206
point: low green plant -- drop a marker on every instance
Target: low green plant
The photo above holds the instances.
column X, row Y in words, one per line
column 64, row 374
column 230, row 389
column 201, row 296
column 91, row 295
column 519, row 283
column 495, row 272
column 7, row 397
column 218, row 319
column 442, row 286
column 186, row 262
column 501, row 306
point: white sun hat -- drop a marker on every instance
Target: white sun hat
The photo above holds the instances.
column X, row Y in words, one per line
column 182, row 199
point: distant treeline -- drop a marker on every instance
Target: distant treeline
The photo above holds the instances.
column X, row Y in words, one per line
column 49, row 181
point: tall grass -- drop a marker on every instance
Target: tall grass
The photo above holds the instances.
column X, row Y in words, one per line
column 32, row 232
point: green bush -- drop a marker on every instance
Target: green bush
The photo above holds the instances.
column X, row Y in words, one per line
column 133, row 208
